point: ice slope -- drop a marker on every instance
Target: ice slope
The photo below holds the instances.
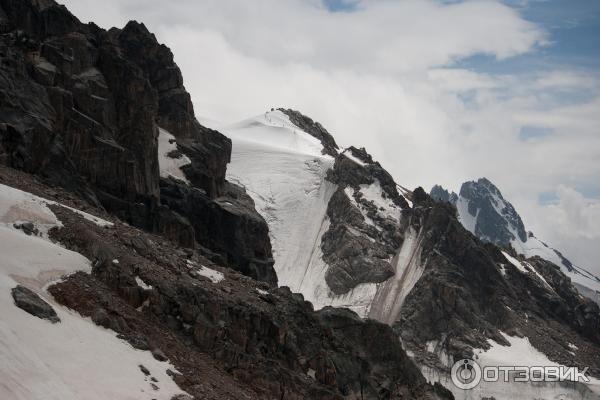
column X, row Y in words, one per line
column 408, row 270
column 535, row 247
column 465, row 218
column 70, row 360
column 283, row 170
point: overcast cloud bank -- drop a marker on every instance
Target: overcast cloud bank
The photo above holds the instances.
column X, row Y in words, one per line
column 387, row 75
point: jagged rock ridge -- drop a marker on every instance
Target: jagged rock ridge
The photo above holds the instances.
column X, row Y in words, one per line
column 483, row 211
column 404, row 259
column 81, row 110
column 82, row 107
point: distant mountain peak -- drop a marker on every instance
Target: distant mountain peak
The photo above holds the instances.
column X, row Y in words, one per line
column 496, row 219
column 488, row 215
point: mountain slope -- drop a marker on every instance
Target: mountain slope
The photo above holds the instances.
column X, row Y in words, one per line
column 299, row 188
column 484, row 212
column 403, row 259
column 158, row 262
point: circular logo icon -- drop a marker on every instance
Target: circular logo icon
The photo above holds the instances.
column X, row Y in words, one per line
column 466, row 374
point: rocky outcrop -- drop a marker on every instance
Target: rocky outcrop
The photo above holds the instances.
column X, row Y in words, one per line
column 209, row 150
column 438, row 193
column 347, row 172
column 364, row 233
column 234, row 337
column 470, row 292
column 29, row 301
column 484, row 198
column 228, row 225
column 81, row 107
column 314, row 129
column 351, row 248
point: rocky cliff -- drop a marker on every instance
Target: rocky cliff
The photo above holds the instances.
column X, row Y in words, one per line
column 406, row 260
column 130, row 224
column 81, row 107
column 488, row 215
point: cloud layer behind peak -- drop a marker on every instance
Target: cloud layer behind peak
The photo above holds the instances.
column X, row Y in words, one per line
column 398, row 78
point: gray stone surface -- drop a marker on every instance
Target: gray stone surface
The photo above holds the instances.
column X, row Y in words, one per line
column 32, row 303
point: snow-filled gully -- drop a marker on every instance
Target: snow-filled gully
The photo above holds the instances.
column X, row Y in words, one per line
column 391, row 294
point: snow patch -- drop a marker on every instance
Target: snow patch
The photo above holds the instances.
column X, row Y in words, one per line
column 519, row 353
column 526, row 268
column 17, row 206
column 515, row 262
column 573, row 347
column 464, row 216
column 214, row 276
column 348, row 154
column 169, row 166
column 70, row 360
column 385, row 205
column 142, row 284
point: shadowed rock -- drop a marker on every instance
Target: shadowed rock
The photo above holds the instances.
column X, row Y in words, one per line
column 29, row 301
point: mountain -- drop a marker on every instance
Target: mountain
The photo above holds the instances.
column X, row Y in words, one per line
column 146, row 256
column 484, row 212
column 131, row 268
column 345, row 234
column 317, row 244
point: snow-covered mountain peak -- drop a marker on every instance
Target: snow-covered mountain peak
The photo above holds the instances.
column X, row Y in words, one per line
column 497, row 219
column 483, row 210
column 275, row 130
column 488, row 215
column 333, row 216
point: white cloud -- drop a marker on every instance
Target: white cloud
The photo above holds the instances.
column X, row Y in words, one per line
column 382, row 77
column 571, row 224
column 384, row 36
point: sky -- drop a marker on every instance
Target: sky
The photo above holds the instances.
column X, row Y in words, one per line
column 440, row 92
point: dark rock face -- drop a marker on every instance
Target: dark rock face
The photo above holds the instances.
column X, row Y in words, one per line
column 483, row 199
column 350, row 250
column 29, row 301
column 314, row 129
column 228, row 225
column 348, row 173
column 497, row 219
column 81, row 107
column 469, row 292
column 362, row 239
column 263, row 343
column 209, row 150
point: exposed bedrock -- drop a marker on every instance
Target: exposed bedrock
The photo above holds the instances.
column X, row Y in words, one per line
column 268, row 343
column 363, row 235
column 228, row 225
column 81, row 106
column 469, row 292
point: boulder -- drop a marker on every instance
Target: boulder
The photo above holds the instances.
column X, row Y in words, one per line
column 31, row 302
